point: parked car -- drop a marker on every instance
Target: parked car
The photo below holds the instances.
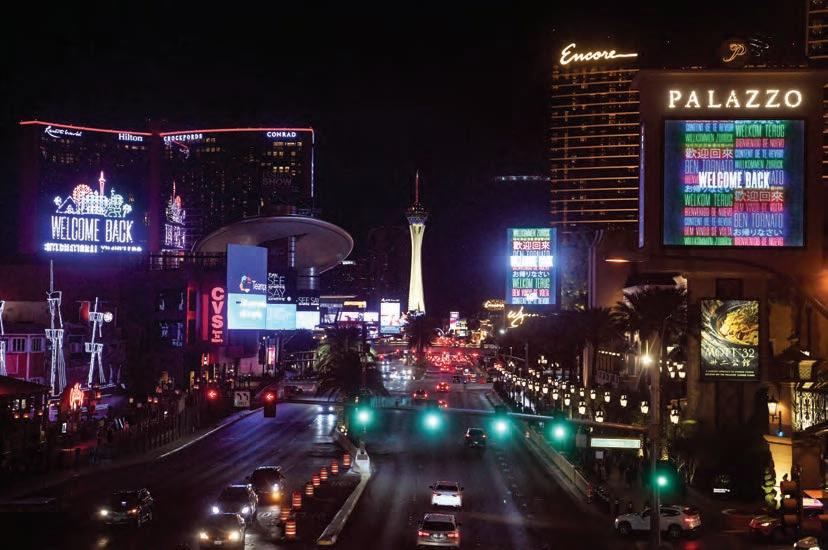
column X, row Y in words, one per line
column 677, row 520
column 132, row 507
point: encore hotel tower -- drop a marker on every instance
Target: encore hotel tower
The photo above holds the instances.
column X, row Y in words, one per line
column 593, row 139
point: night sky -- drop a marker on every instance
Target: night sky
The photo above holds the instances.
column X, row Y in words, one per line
column 456, row 89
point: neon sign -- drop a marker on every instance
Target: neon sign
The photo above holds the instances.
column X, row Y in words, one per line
column 755, row 98
column 125, row 136
column 217, row 301
column 531, row 276
column 568, row 56
column 61, row 132
column 281, row 134
column 183, row 137
column 174, row 232
column 75, row 397
column 90, row 221
column 516, row 317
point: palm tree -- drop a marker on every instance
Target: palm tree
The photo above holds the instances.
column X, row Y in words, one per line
column 337, row 346
column 345, row 364
column 420, row 333
column 657, row 314
column 599, row 326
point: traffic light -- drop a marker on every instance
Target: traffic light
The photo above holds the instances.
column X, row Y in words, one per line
column 432, row 420
column 269, row 403
column 212, row 394
column 363, row 416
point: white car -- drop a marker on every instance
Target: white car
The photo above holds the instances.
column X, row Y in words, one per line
column 446, row 493
column 675, row 519
column 808, row 543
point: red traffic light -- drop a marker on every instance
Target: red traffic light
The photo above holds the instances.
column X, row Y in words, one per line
column 270, row 397
column 212, row 394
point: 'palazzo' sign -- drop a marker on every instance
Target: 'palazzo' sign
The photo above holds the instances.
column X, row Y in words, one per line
column 755, row 98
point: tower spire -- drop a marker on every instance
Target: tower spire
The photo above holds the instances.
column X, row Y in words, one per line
column 417, row 187
column 101, row 183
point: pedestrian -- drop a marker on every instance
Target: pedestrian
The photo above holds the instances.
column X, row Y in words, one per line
column 630, row 507
column 616, row 507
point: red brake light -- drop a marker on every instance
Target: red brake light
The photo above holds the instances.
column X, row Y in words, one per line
column 453, row 535
column 422, row 533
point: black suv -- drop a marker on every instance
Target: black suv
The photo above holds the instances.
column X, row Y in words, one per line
column 268, row 483
column 475, row 437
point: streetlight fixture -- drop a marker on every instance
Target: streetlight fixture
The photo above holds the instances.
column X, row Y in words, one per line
column 674, row 415
column 623, row 400
column 646, row 360
column 607, row 397
column 582, row 408
column 555, row 394
column 599, row 416
column 775, row 413
column 581, row 392
column 592, row 394
column 567, row 400
column 545, row 389
column 645, row 407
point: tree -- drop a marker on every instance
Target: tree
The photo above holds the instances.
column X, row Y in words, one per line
column 599, row 326
column 657, row 314
column 345, row 365
column 420, row 333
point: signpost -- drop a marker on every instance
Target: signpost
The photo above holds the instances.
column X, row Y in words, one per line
column 241, row 399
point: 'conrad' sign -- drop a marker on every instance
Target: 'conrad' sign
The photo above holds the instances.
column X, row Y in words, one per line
column 749, row 98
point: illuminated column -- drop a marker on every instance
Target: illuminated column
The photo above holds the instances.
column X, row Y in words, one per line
column 416, row 224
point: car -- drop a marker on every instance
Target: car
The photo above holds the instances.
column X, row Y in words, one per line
column 475, row 437
column 240, row 499
column 675, row 519
column 808, row 543
column 767, row 527
column 268, row 483
column 132, row 506
column 438, row 530
column 443, row 387
column 225, row 529
column 419, row 395
column 446, row 493
column 327, row 408
column 442, row 403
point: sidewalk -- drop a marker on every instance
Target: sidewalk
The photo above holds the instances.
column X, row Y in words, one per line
column 50, row 479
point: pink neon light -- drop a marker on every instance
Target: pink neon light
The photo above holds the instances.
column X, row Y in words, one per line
column 85, row 128
column 219, row 130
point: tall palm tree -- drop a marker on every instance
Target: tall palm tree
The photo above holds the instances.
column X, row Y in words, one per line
column 345, row 365
column 658, row 314
column 599, row 327
column 337, row 346
column 420, row 333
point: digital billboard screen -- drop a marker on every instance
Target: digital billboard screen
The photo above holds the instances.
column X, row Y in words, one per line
column 281, row 317
column 246, row 287
column 730, row 339
column 307, row 320
column 92, row 190
column 734, row 183
column 390, row 318
column 531, row 278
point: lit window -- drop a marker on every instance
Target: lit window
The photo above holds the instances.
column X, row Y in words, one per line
column 37, row 344
column 18, row 345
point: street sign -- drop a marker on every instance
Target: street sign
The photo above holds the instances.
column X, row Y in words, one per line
column 615, row 442
column 241, row 399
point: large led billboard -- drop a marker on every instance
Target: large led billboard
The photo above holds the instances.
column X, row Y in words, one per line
column 531, row 279
column 92, row 188
column 390, row 316
column 734, row 183
column 246, row 287
column 281, row 317
column 730, row 339
column 307, row 320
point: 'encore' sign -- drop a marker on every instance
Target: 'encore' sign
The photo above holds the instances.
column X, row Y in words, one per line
column 755, row 98
column 568, row 55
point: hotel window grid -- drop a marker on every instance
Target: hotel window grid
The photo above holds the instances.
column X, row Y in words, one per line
column 18, row 345
column 816, row 29
column 593, row 147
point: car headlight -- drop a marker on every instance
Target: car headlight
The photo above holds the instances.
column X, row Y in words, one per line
column 133, row 511
column 215, row 509
column 245, row 510
column 104, row 512
column 276, row 490
column 330, row 408
column 235, row 535
column 764, row 524
column 320, row 408
column 203, row 535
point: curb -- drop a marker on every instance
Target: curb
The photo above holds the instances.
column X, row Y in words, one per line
column 241, row 416
column 337, row 524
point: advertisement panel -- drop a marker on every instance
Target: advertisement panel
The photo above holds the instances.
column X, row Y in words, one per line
column 281, row 288
column 734, row 183
column 247, row 287
column 454, row 316
column 390, row 318
column 281, row 317
column 730, row 339
column 175, row 217
column 531, row 278
column 307, row 320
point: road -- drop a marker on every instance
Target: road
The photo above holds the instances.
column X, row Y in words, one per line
column 185, row 483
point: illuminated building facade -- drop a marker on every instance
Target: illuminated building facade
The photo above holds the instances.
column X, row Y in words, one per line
column 416, row 216
column 816, row 30
column 593, row 139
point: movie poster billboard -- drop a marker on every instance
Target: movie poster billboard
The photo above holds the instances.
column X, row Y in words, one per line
column 730, row 339
column 734, row 183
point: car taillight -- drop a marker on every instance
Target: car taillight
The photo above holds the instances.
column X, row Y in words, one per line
column 453, row 535
column 435, row 494
column 422, row 533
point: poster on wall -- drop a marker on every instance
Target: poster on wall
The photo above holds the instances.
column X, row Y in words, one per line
column 246, row 287
column 531, row 277
column 734, row 183
column 730, row 339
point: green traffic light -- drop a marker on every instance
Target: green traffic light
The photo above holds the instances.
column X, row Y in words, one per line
column 363, row 416
column 432, row 421
column 501, row 426
column 559, row 432
column 661, row 480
